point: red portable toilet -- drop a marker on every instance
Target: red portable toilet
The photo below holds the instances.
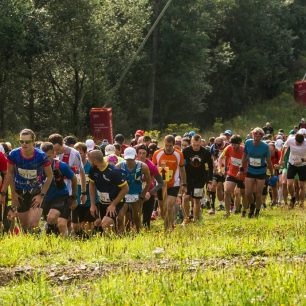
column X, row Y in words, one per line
column 300, row 91
column 101, row 124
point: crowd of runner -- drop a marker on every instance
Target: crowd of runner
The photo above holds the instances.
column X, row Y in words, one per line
column 79, row 189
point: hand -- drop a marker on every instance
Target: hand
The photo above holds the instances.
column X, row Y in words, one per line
column 178, row 201
column 111, row 211
column 147, row 196
column 73, row 204
column 240, row 176
column 37, row 200
column 11, row 215
column 184, row 189
column 83, row 198
column 209, row 186
column 15, row 199
column 94, row 211
column 281, row 163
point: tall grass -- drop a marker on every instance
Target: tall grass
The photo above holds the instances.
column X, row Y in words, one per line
column 282, row 112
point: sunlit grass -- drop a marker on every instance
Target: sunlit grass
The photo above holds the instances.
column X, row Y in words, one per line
column 273, row 284
column 216, row 262
column 276, row 232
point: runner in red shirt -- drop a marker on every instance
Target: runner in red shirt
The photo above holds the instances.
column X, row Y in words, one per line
column 231, row 157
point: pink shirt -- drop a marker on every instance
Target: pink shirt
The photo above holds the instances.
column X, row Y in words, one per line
column 153, row 172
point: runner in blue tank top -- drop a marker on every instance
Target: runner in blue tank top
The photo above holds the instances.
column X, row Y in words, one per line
column 136, row 173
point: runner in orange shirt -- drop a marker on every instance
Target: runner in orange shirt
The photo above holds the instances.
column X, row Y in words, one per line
column 170, row 163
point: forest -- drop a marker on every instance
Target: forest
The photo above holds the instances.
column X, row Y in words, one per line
column 205, row 60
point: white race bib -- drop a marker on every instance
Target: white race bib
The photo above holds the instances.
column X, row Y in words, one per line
column 104, row 197
column 255, row 162
column 236, row 162
column 198, row 192
column 131, row 198
column 297, row 160
column 27, row 174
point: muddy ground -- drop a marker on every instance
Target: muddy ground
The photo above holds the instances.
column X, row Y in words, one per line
column 59, row 274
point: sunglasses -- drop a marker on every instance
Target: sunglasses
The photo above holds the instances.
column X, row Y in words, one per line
column 25, row 141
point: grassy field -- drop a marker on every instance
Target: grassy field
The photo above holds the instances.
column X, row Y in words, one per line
column 217, row 262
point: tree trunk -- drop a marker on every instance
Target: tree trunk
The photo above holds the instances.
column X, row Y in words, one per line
column 2, row 106
column 31, row 109
column 75, row 113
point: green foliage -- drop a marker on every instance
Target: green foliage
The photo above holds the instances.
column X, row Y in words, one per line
column 282, row 112
column 154, row 134
column 180, row 129
column 208, row 59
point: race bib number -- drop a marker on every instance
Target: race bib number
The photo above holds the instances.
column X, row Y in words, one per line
column 297, row 160
column 255, row 162
column 236, row 162
column 104, row 197
column 198, row 192
column 131, row 198
column 27, row 174
column 79, row 179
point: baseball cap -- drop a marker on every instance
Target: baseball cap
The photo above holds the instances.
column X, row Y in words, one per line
column 139, row 133
column 90, row 144
column 110, row 149
column 279, row 144
column 302, row 131
column 292, row 132
column 191, row 133
column 228, row 132
column 113, row 159
column 129, row 153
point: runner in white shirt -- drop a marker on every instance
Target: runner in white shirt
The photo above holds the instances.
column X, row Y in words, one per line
column 71, row 157
column 296, row 165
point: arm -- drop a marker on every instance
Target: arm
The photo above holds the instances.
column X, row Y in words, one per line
column 124, row 190
column 111, row 209
column 83, row 185
column 183, row 179
column 92, row 196
column 160, row 184
column 270, row 165
column 210, row 167
column 147, row 178
column 222, row 161
column 3, row 188
column 74, row 187
column 38, row 199
column 283, row 153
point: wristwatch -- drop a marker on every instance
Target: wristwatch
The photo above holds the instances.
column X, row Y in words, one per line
column 83, row 193
column 42, row 194
column 73, row 197
column 3, row 193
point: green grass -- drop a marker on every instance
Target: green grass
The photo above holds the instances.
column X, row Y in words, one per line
column 277, row 232
column 274, row 284
column 282, row 112
column 217, row 262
